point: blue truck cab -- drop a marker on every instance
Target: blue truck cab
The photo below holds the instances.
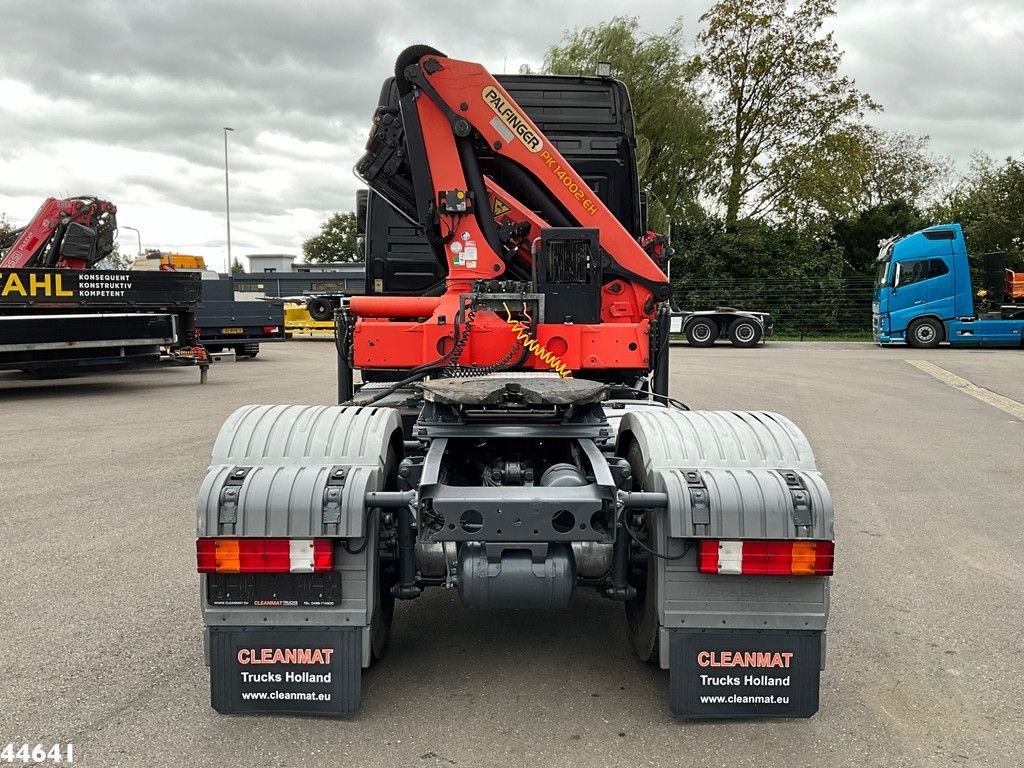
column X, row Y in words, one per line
column 924, row 296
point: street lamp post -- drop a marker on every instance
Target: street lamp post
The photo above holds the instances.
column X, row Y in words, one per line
column 227, row 194
column 138, row 235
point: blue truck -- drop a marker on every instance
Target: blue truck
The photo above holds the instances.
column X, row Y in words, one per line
column 924, row 293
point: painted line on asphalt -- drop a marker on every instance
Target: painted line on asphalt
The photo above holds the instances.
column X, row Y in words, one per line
column 994, row 399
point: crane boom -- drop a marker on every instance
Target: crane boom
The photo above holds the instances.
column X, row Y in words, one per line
column 73, row 233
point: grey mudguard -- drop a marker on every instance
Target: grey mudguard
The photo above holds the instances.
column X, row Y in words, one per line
column 306, row 471
column 287, row 453
column 730, row 475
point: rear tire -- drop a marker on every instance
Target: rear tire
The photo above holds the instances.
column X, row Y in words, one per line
column 384, row 606
column 642, row 610
column 702, row 332
column 380, row 621
column 320, row 309
column 745, row 333
column 925, row 333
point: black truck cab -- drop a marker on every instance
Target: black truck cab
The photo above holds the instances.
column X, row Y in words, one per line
column 590, row 121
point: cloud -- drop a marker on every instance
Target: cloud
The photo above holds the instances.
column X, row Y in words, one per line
column 950, row 70
column 127, row 100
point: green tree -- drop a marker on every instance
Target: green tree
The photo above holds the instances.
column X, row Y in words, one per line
column 7, row 235
column 753, row 251
column 854, row 170
column 776, row 91
column 236, row 267
column 117, row 260
column 676, row 146
column 762, row 265
column 336, row 241
column 859, row 235
column 989, row 203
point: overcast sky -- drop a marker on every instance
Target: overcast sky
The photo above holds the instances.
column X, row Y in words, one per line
column 126, row 100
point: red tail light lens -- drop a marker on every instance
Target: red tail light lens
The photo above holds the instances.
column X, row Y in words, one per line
column 766, row 558
column 264, row 555
column 206, row 559
column 271, row 328
column 323, row 555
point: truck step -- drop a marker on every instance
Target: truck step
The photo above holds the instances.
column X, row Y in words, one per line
column 223, row 356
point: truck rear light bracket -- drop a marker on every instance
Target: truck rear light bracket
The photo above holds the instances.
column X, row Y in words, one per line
column 700, row 510
column 227, row 513
column 333, row 492
column 802, row 514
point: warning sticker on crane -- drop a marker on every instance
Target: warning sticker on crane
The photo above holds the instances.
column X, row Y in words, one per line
column 499, row 208
column 464, row 255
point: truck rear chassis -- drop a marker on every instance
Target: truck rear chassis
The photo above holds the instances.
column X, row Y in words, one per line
column 720, row 550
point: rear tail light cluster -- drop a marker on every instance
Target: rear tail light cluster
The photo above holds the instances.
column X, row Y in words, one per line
column 271, row 328
column 264, row 555
column 766, row 558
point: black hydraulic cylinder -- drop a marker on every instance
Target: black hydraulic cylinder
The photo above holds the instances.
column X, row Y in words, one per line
column 660, row 349
column 475, row 180
column 535, row 194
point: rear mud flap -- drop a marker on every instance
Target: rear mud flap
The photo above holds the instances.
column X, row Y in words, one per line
column 285, row 670
column 744, row 673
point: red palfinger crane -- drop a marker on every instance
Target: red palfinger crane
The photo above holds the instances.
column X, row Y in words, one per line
column 58, row 315
column 73, row 233
column 601, row 290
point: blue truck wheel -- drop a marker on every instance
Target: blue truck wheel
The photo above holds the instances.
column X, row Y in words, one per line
column 925, row 333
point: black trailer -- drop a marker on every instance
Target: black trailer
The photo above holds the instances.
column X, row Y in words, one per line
column 704, row 327
column 59, row 321
column 224, row 323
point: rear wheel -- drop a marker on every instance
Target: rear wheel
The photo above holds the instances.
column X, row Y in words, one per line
column 925, row 333
column 745, row 332
column 642, row 608
column 380, row 620
column 384, row 604
column 702, row 332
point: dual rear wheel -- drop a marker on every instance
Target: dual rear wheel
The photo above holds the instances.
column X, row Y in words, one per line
column 742, row 332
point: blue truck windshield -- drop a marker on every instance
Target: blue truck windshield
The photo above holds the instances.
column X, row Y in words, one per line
column 882, row 264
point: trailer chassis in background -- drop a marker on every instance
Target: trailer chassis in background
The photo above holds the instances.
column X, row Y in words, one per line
column 58, row 322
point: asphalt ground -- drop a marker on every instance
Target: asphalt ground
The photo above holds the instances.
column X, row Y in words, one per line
column 101, row 637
